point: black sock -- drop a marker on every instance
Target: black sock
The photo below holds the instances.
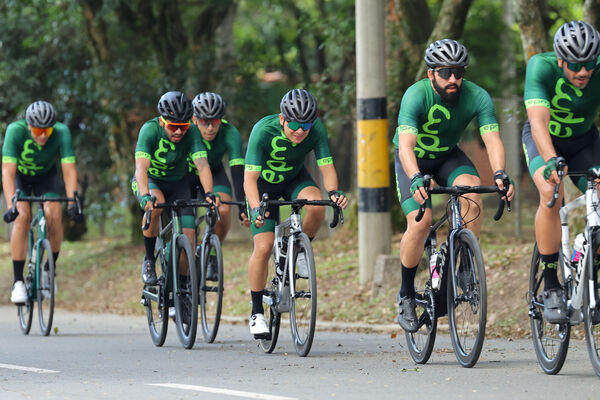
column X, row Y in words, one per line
column 150, row 244
column 257, row 302
column 18, row 270
column 408, row 281
column 549, row 264
column 47, row 266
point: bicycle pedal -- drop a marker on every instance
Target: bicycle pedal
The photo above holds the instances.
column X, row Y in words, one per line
column 263, row 336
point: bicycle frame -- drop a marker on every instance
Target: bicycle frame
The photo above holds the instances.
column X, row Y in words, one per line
column 584, row 269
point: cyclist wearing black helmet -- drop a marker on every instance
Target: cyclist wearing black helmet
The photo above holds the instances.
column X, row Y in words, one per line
column 277, row 147
column 562, row 97
column 163, row 146
column 32, row 147
column 433, row 115
column 219, row 137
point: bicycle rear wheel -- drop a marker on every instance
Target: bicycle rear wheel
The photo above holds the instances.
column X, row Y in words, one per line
column 420, row 343
column 591, row 317
column 303, row 304
column 185, row 292
column 25, row 311
column 157, row 310
column 45, row 289
column 211, row 292
column 550, row 341
column 467, row 308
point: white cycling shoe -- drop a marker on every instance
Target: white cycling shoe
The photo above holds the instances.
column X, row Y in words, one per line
column 18, row 294
column 258, row 326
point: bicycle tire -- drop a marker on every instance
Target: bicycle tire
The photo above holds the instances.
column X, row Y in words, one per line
column 303, row 313
column 157, row 312
column 272, row 317
column 467, row 309
column 25, row 311
column 420, row 343
column 592, row 331
column 45, row 287
column 185, row 293
column 550, row 341
column 211, row 292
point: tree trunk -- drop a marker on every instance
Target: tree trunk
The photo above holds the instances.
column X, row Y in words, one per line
column 528, row 16
column 591, row 12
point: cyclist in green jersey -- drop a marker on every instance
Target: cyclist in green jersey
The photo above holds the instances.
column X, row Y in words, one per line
column 31, row 149
column 433, row 116
column 562, row 97
column 274, row 164
column 219, row 137
column 163, row 145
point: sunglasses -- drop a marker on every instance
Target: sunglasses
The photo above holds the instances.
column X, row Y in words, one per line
column 207, row 122
column 173, row 126
column 41, row 131
column 293, row 125
column 445, row 73
column 576, row 67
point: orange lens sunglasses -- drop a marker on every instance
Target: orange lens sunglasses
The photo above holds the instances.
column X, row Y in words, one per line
column 173, row 126
column 41, row 131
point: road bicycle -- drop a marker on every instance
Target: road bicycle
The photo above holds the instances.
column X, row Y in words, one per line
column 177, row 284
column 208, row 250
column 287, row 290
column 577, row 273
column 40, row 279
column 461, row 292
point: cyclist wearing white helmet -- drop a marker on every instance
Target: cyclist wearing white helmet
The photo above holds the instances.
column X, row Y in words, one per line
column 562, row 97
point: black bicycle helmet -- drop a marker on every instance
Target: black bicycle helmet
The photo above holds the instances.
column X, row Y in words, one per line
column 299, row 105
column 577, row 42
column 175, row 106
column 446, row 53
column 40, row 114
column 208, row 105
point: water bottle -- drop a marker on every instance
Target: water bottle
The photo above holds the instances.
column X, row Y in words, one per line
column 578, row 248
column 433, row 265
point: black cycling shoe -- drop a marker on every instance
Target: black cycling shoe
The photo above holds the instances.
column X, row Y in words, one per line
column 555, row 311
column 407, row 316
column 148, row 272
column 212, row 269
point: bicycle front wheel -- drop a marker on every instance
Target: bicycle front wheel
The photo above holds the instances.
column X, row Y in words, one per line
column 45, row 289
column 185, row 292
column 550, row 341
column 157, row 307
column 420, row 343
column 591, row 316
column 272, row 317
column 467, row 306
column 211, row 290
column 25, row 311
column 303, row 301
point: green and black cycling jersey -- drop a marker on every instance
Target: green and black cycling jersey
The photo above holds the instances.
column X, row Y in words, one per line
column 438, row 125
column 572, row 110
column 168, row 159
column 31, row 158
column 278, row 159
column 228, row 141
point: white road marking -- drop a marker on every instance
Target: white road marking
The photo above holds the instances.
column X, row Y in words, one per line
column 229, row 392
column 29, row 369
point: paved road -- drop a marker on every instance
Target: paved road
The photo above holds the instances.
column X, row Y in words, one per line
column 105, row 356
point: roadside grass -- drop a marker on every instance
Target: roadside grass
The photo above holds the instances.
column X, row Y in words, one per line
column 102, row 274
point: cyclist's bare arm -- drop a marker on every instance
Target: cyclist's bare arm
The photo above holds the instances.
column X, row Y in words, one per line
column 70, row 177
column 206, row 178
column 252, row 195
column 495, row 150
column 9, row 173
column 141, row 177
column 330, row 181
column 539, row 119
column 406, row 153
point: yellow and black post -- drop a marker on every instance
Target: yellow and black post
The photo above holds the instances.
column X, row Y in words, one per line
column 374, row 225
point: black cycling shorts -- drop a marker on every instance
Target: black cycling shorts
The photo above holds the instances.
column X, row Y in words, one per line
column 39, row 185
